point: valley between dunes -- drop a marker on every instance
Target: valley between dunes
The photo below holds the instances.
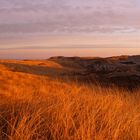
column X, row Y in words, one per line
column 70, row 98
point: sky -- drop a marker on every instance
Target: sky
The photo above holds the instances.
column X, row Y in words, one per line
column 44, row 28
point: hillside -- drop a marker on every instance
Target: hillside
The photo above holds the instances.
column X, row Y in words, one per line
column 62, row 99
column 123, row 71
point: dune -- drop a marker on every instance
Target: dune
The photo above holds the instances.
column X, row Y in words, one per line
column 70, row 98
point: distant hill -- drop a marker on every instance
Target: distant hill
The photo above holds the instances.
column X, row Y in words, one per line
column 122, row 71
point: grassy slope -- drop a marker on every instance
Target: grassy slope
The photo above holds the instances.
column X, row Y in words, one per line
column 33, row 107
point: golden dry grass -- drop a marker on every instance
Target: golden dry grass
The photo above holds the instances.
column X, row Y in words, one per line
column 37, row 108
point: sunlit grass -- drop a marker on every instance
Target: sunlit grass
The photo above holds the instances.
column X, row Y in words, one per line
column 37, row 108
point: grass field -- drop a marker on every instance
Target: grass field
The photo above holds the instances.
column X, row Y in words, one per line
column 34, row 107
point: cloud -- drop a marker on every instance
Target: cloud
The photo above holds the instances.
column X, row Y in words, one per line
column 68, row 16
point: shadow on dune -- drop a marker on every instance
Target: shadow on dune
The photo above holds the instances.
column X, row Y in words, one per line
column 123, row 71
